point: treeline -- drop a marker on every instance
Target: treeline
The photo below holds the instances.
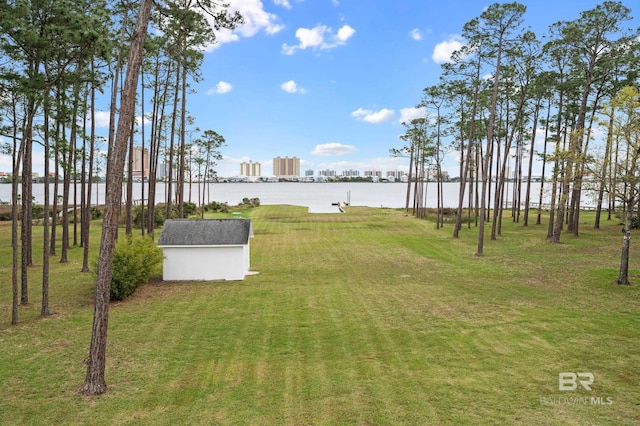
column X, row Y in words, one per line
column 56, row 57
column 575, row 87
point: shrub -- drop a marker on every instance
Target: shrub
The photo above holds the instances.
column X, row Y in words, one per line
column 134, row 261
column 158, row 216
column 96, row 213
column 213, row 206
column 37, row 211
column 189, row 208
column 253, row 202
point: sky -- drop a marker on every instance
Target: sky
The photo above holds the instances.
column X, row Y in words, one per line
column 331, row 81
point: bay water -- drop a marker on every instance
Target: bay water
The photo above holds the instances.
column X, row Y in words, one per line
column 318, row 197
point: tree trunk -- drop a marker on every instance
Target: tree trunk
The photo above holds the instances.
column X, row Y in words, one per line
column 142, row 217
column 65, row 200
column 466, row 170
column 172, row 144
column 87, row 216
column 159, row 103
column 623, row 275
column 129, row 202
column 527, row 197
column 544, row 164
column 26, row 203
column 95, row 381
column 15, row 163
column 44, row 310
column 605, row 167
column 411, row 159
column 183, row 132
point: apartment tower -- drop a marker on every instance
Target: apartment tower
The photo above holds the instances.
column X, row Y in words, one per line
column 283, row 167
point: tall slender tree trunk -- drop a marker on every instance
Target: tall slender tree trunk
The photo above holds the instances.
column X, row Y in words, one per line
column 488, row 155
column 172, row 144
column 56, row 178
column 44, row 310
column 467, row 171
column 411, row 159
column 87, row 215
column 67, row 183
column 544, row 164
column 15, row 165
column 83, row 175
column 156, row 138
column 183, row 132
column 25, row 231
column 129, row 201
column 95, row 381
column 527, row 198
column 605, row 167
column 623, row 274
column 113, row 109
column 142, row 217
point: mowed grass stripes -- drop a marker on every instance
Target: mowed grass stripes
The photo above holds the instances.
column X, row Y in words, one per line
column 368, row 317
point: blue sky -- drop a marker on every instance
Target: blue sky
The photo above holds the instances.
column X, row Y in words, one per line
column 330, row 81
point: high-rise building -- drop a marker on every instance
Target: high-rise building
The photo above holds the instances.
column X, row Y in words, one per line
column 395, row 173
column 286, row 166
column 351, row 173
column 250, row 169
column 327, row 173
column 140, row 162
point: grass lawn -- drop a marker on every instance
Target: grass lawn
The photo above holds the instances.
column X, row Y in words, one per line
column 369, row 317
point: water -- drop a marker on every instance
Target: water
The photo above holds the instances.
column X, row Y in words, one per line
column 318, row 197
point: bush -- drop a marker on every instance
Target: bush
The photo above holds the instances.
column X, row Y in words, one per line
column 37, row 211
column 96, row 213
column 134, row 261
column 189, row 208
column 253, row 202
column 213, row 206
column 158, row 216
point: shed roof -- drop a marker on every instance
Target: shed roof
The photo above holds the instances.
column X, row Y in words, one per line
column 205, row 232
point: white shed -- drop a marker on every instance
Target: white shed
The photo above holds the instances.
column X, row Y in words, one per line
column 205, row 249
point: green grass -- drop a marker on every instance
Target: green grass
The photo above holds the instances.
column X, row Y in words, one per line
column 367, row 318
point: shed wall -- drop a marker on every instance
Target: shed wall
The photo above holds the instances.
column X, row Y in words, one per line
column 204, row 263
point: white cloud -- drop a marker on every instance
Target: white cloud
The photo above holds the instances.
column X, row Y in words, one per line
column 443, row 50
column 147, row 119
column 389, row 163
column 102, row 118
column 321, row 37
column 408, row 114
column 333, row 148
column 373, row 117
column 283, row 3
column 256, row 19
column 415, row 34
column 292, row 87
column 344, row 34
column 221, row 88
column 311, row 37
